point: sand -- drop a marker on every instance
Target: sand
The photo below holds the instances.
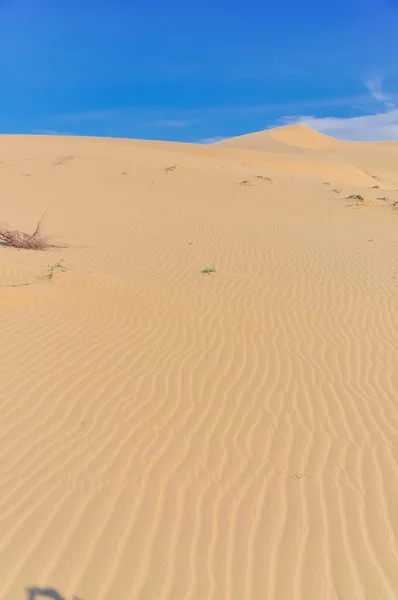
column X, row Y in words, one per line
column 170, row 435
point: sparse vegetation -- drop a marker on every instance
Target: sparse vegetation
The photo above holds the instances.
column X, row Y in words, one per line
column 245, row 182
column 301, row 475
column 263, row 177
column 52, row 270
column 356, row 197
column 208, row 270
column 375, row 187
column 383, row 199
column 171, row 168
column 337, row 191
column 62, row 160
column 14, row 238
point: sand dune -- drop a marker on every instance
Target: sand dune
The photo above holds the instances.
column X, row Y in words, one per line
column 298, row 136
column 170, row 435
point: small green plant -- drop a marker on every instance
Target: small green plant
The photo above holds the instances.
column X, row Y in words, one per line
column 208, row 270
column 52, row 270
column 171, row 168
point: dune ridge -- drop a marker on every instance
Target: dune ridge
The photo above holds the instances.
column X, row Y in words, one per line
column 299, row 136
column 167, row 434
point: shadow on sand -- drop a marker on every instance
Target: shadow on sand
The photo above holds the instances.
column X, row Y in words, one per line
column 35, row 593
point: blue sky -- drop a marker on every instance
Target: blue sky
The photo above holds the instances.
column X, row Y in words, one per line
column 194, row 71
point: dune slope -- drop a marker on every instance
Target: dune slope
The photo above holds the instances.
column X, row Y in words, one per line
column 299, row 136
column 167, row 434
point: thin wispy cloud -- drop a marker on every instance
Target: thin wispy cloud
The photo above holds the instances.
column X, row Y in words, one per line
column 221, row 122
column 380, row 126
column 129, row 117
column 368, row 128
column 174, row 123
column 48, row 132
column 374, row 86
column 212, row 140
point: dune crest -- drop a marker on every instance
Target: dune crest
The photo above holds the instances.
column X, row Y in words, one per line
column 298, row 136
column 302, row 136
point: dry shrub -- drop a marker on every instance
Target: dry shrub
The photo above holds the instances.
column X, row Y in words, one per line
column 27, row 241
column 356, row 197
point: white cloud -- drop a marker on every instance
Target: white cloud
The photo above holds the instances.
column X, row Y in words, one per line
column 212, row 140
column 159, row 123
column 369, row 128
column 48, row 132
column 374, row 86
column 174, row 123
column 381, row 126
column 169, row 117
